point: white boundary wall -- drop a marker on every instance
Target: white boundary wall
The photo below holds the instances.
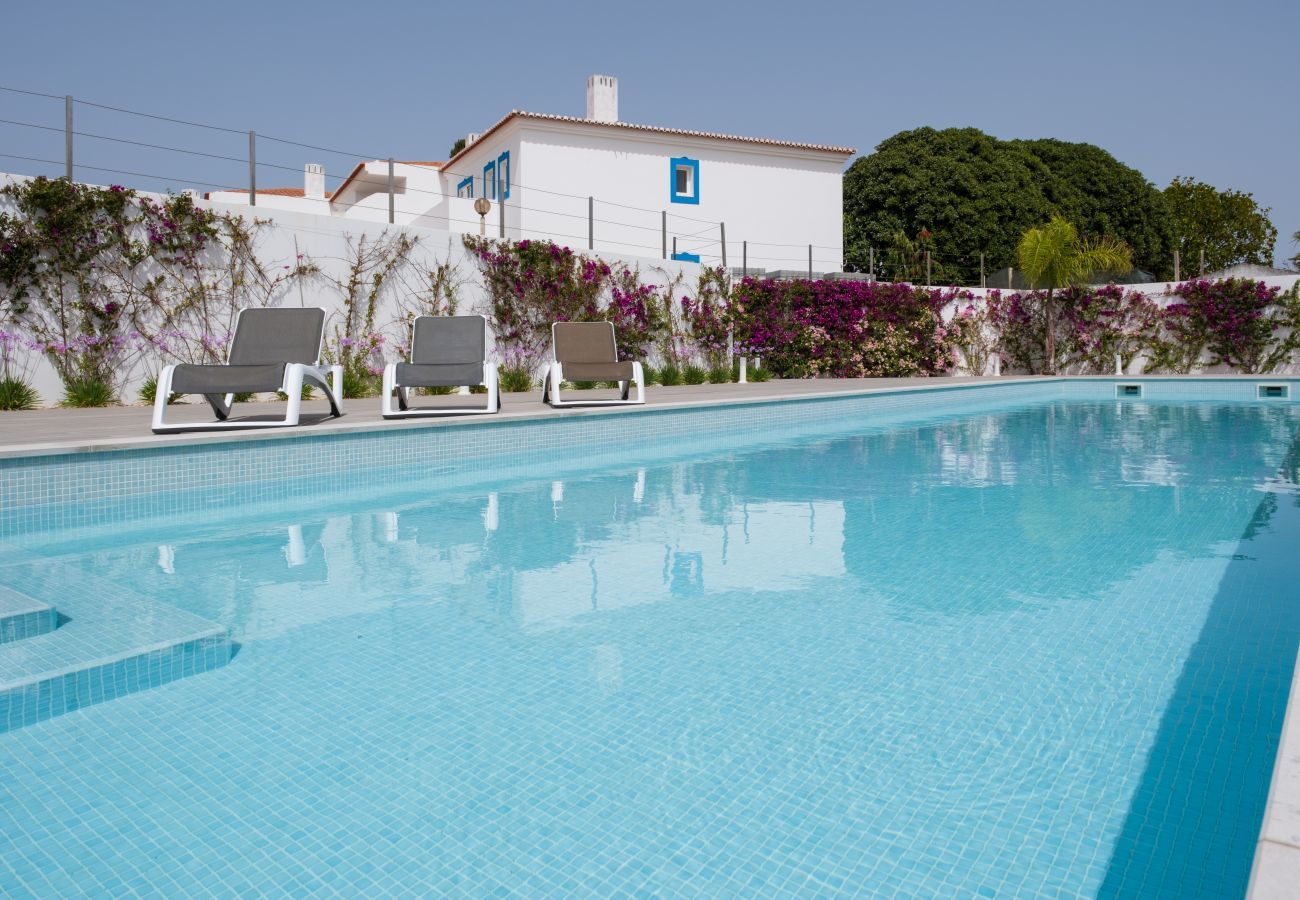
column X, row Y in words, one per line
column 323, row 240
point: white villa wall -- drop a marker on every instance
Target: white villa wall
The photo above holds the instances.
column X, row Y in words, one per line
column 780, row 199
column 778, row 196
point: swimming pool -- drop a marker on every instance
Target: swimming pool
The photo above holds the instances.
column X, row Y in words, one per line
column 1000, row 648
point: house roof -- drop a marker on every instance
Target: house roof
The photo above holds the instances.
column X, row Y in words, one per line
column 656, row 129
column 359, row 167
column 278, row 192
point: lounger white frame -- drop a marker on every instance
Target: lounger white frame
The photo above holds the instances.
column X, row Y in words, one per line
column 491, row 379
column 326, row 377
column 555, row 376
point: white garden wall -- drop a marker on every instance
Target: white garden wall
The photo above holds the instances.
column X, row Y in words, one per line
column 324, row 240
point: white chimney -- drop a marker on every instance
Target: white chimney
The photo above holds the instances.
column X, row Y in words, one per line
column 313, row 181
column 602, row 98
column 471, row 138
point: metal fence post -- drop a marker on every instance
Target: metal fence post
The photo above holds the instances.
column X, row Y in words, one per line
column 983, row 279
column 67, row 135
column 810, row 262
column 663, row 230
column 927, row 268
column 674, row 246
column 591, row 223
column 723, row 227
column 1011, row 273
column 1178, row 270
column 392, row 189
column 1202, row 262
column 744, row 259
column 871, row 266
column 501, row 206
column 252, row 168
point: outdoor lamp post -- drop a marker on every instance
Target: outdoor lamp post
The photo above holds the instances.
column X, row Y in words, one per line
column 482, row 206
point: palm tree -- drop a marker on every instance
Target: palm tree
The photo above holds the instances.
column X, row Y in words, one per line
column 1053, row 256
column 1295, row 260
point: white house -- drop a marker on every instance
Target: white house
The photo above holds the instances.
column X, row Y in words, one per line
column 598, row 182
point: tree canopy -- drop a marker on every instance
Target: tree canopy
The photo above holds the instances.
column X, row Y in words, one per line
column 978, row 194
column 1228, row 225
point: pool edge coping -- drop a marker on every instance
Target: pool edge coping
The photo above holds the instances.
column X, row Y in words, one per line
column 199, row 437
column 1275, row 870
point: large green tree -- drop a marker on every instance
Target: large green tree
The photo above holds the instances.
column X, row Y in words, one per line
column 978, row 194
column 1228, row 225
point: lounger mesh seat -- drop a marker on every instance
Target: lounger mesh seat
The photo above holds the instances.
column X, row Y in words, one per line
column 446, row 351
column 587, row 351
column 194, row 379
column 272, row 349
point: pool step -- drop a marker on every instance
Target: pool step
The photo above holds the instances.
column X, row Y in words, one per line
column 113, row 642
column 23, row 617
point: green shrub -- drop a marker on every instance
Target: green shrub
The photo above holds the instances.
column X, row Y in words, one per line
column 694, row 374
column 478, row 388
column 516, row 380
column 149, row 392
column 435, row 391
column 759, row 373
column 720, row 375
column 357, row 384
column 306, row 393
column 651, row 374
column 85, row 393
column 16, row 394
column 670, row 375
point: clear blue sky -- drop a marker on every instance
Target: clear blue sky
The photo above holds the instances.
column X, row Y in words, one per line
column 1189, row 88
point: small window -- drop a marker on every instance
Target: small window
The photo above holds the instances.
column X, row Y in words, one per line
column 466, row 188
column 490, row 181
column 1128, row 390
column 503, row 174
column 1273, row 391
column 685, row 180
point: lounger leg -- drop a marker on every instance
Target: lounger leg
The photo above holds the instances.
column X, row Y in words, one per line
column 624, row 386
column 162, row 392
column 638, row 375
column 220, row 404
column 493, row 382
column 318, row 378
column 293, row 377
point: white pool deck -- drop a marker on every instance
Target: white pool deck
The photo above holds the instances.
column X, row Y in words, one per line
column 48, row 432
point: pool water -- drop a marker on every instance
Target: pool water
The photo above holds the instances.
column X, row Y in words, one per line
column 1037, row 651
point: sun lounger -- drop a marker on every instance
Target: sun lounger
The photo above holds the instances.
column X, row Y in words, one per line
column 272, row 350
column 586, row 351
column 446, row 351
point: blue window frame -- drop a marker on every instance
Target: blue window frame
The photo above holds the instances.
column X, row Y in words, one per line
column 490, row 181
column 466, row 188
column 503, row 173
column 684, row 180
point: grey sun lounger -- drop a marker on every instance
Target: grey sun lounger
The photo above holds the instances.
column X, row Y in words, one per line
column 586, row 351
column 272, row 350
column 446, row 351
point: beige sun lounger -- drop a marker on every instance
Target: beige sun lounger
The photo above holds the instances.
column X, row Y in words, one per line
column 586, row 351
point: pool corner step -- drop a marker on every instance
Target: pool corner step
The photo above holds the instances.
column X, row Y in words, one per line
column 22, row 616
column 90, row 681
column 109, row 642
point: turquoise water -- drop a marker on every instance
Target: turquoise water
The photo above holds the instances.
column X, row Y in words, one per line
column 1037, row 651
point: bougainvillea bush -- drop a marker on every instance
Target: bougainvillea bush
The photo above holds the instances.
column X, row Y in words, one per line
column 1242, row 324
column 848, row 329
column 1092, row 324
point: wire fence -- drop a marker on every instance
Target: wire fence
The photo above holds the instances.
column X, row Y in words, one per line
column 107, row 146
